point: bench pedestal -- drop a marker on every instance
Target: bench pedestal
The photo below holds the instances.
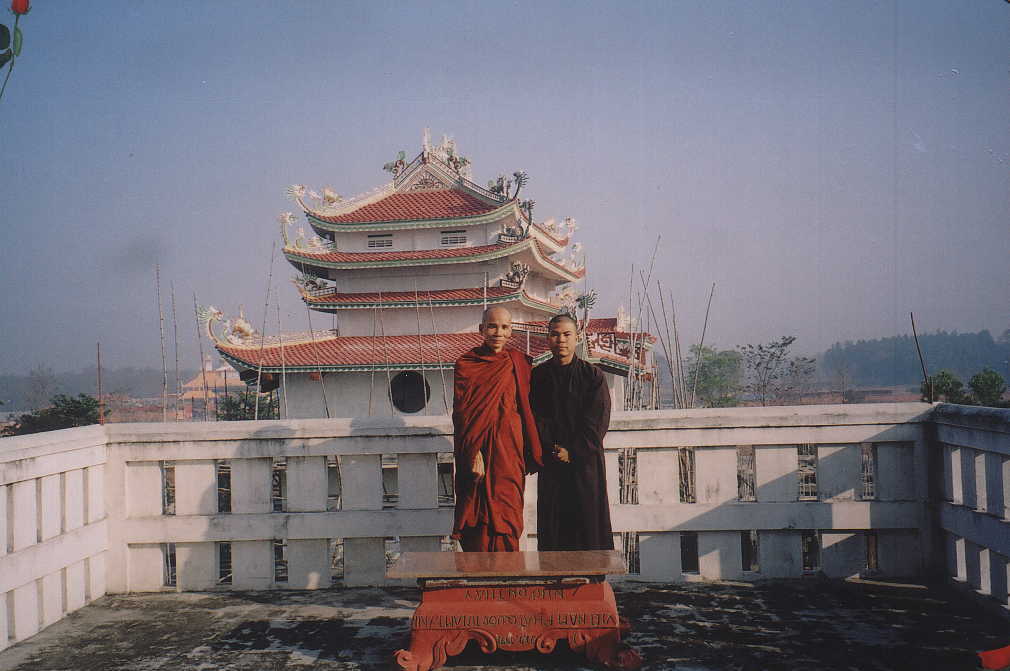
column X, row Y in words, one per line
column 526, row 610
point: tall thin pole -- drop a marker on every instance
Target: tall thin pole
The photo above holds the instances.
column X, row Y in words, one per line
column 420, row 349
column 175, row 334
column 697, row 362
column 203, row 368
column 101, row 402
column 161, row 331
column 263, row 333
column 922, row 361
column 679, row 355
column 284, row 378
column 371, row 378
column 315, row 355
column 385, row 356
column 438, row 353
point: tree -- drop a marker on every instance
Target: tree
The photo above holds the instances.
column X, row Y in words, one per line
column 987, row 388
column 946, row 388
column 719, row 373
column 64, row 412
column 41, row 386
column 242, row 405
column 770, row 374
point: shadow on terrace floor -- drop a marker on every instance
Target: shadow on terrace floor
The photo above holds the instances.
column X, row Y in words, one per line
column 771, row 626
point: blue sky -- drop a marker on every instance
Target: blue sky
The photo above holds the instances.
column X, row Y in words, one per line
column 831, row 166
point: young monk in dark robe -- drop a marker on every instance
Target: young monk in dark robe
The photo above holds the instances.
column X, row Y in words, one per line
column 496, row 441
column 571, row 403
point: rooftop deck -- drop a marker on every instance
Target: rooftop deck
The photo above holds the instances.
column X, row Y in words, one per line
column 774, row 625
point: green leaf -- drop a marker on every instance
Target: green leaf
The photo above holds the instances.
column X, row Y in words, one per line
column 5, row 37
column 4, row 57
column 17, row 41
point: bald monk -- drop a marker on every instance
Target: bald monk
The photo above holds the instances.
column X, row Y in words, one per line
column 496, row 442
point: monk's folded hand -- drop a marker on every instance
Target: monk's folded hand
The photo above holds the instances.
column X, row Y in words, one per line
column 478, row 466
column 562, row 454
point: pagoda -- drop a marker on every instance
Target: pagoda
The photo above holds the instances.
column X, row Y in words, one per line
column 405, row 272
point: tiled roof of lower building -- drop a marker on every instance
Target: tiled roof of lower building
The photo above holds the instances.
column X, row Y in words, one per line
column 404, row 352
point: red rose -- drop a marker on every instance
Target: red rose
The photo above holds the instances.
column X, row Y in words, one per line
column 20, row 6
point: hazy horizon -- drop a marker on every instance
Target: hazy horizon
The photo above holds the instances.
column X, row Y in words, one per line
column 831, row 166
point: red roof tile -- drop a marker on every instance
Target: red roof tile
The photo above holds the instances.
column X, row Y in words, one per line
column 409, row 255
column 350, row 351
column 414, row 205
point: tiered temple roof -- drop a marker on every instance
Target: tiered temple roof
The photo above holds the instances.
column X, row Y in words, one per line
column 433, row 191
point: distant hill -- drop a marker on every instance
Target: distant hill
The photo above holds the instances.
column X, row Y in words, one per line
column 21, row 393
column 894, row 361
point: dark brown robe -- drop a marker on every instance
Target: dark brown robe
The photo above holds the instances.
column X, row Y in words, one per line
column 572, row 408
column 491, row 414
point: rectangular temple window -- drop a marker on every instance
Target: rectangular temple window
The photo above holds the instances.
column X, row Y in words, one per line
column 872, row 549
column 223, row 471
column 453, row 238
column 390, row 481
column 223, row 563
column 392, row 550
column 279, row 486
column 336, row 558
column 380, row 240
column 749, row 550
column 627, row 467
column 333, row 484
column 445, row 489
column 167, row 488
column 810, row 543
column 807, row 471
column 168, row 553
column 746, row 474
column 688, row 552
column 629, row 543
column 280, row 560
column 685, row 461
column 868, row 471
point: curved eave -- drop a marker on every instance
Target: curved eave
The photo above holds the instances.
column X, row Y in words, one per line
column 554, row 269
column 554, row 244
column 520, row 297
column 321, row 225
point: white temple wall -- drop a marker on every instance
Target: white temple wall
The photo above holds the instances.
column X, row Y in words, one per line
column 347, row 395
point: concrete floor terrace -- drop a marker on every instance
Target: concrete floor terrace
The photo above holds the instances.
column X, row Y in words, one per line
column 829, row 625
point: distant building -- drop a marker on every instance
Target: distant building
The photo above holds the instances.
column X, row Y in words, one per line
column 202, row 394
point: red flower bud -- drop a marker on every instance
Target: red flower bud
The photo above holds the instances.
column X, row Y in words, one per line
column 21, row 6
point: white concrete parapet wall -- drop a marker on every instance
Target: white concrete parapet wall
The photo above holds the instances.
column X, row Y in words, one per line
column 974, row 446
column 294, row 503
column 53, row 528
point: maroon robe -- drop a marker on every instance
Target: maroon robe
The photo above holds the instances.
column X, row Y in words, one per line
column 572, row 408
column 491, row 414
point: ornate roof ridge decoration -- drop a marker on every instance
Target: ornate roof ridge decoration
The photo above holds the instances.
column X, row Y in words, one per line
column 239, row 333
column 570, row 273
column 331, row 204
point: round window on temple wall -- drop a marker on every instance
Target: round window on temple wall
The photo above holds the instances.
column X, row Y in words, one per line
column 409, row 391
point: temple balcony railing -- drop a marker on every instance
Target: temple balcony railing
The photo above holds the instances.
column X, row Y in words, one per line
column 743, row 493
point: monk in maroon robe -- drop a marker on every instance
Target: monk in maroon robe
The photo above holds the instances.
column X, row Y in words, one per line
column 571, row 403
column 496, row 442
